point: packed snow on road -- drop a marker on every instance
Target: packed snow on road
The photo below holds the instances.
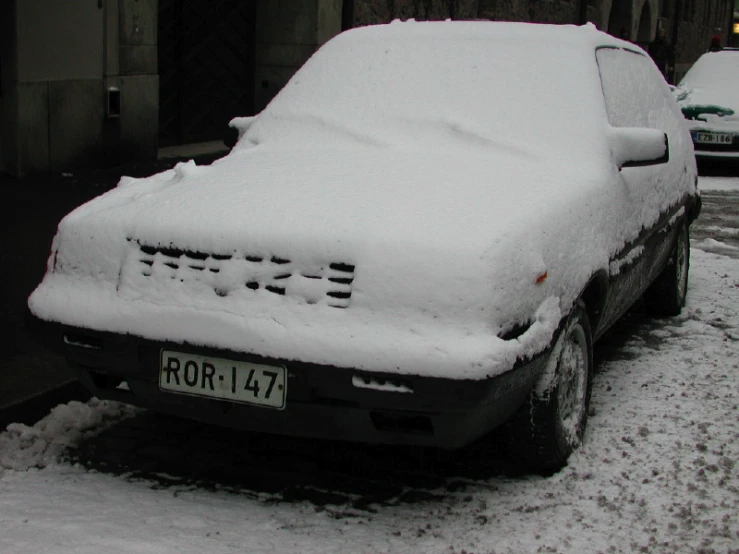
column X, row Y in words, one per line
column 657, row 471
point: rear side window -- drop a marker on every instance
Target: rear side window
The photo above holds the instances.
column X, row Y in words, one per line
column 635, row 93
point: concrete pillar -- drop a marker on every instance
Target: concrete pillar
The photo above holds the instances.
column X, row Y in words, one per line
column 139, row 79
column 53, row 97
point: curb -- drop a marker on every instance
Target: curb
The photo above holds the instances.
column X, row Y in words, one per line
column 29, row 410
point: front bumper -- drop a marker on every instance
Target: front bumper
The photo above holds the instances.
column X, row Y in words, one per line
column 322, row 401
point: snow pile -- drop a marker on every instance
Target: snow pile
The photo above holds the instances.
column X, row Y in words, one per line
column 23, row 447
column 717, row 247
column 718, row 184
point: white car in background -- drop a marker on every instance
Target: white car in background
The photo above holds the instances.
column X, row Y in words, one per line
column 709, row 98
column 417, row 241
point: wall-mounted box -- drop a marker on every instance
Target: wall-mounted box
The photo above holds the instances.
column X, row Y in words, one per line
column 113, row 105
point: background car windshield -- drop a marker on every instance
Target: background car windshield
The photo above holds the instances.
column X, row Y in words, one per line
column 715, row 70
column 514, row 93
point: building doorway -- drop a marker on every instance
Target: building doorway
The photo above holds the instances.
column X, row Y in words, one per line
column 619, row 22
column 206, row 67
column 644, row 32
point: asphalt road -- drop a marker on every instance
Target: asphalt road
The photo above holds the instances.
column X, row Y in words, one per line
column 719, row 221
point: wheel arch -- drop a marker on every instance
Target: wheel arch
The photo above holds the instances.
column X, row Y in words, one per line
column 594, row 296
column 693, row 207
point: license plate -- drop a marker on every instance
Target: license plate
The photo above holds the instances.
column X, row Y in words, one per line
column 713, row 138
column 234, row 380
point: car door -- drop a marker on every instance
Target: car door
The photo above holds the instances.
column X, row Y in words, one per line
column 636, row 95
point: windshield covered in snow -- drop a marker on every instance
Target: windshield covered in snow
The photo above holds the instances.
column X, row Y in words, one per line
column 715, row 70
column 712, row 83
column 521, row 90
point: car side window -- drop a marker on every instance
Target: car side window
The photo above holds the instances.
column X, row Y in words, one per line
column 636, row 95
column 634, row 92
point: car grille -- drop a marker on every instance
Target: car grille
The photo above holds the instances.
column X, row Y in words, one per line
column 327, row 283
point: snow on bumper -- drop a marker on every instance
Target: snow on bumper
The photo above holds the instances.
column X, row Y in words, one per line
column 357, row 338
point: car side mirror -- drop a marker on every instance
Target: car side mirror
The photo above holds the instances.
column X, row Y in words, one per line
column 638, row 146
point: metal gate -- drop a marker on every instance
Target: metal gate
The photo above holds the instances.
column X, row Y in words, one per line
column 206, row 67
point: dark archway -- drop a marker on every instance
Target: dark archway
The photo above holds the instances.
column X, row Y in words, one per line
column 206, row 67
column 619, row 22
column 644, row 32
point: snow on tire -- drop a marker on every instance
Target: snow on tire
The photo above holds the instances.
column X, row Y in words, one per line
column 551, row 423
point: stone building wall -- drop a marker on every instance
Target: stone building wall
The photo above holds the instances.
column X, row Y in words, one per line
column 696, row 26
column 554, row 11
column 79, row 83
column 369, row 12
column 691, row 22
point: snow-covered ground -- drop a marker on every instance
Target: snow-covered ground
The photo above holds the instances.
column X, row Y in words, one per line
column 657, row 472
column 719, row 184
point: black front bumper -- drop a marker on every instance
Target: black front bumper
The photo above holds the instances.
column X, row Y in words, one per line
column 322, row 401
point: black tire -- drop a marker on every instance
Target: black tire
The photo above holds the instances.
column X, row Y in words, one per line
column 551, row 423
column 666, row 296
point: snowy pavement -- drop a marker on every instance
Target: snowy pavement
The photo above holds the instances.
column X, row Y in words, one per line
column 657, row 472
column 718, row 232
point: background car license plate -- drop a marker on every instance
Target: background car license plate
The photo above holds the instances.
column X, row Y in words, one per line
column 713, row 138
column 233, row 380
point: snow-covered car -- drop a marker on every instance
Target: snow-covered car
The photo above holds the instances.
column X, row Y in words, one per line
column 709, row 98
column 416, row 242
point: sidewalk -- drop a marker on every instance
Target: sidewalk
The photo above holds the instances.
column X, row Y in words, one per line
column 33, row 379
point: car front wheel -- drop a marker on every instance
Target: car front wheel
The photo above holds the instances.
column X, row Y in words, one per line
column 551, row 423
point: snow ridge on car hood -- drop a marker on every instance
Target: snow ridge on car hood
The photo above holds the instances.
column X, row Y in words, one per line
column 275, row 198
